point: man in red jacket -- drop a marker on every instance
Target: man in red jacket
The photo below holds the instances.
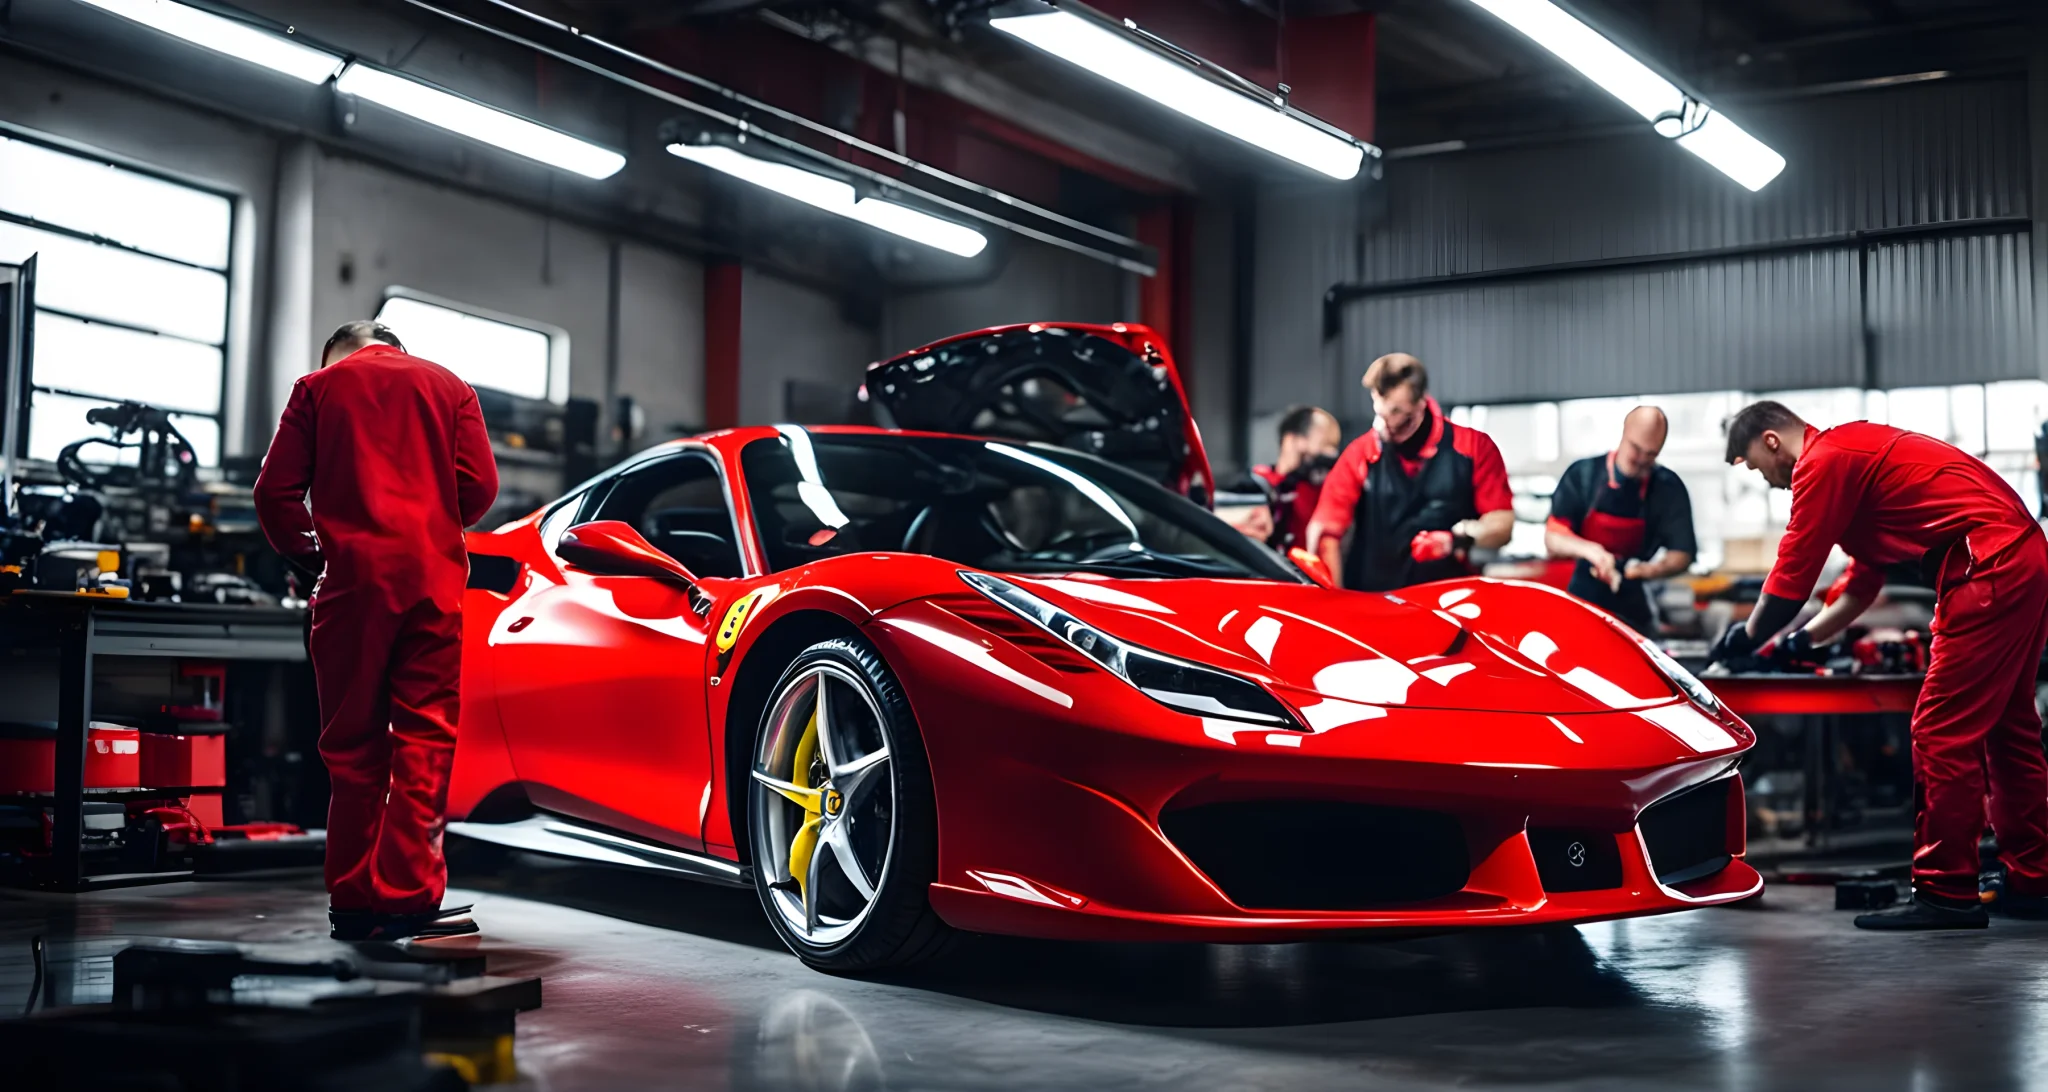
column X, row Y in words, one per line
column 389, row 453
column 1887, row 496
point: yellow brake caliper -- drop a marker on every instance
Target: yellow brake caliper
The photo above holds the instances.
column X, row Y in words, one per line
column 806, row 841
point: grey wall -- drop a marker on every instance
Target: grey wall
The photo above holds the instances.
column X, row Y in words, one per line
column 661, row 338
column 789, row 332
column 1207, row 357
column 1941, row 309
column 373, row 229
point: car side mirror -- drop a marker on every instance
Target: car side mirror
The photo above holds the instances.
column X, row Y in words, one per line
column 1312, row 567
column 609, row 547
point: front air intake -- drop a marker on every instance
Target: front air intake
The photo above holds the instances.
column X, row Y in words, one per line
column 1687, row 834
column 1321, row 854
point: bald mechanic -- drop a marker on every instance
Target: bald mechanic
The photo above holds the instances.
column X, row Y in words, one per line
column 389, row 453
column 1418, row 492
column 1887, row 496
column 1625, row 519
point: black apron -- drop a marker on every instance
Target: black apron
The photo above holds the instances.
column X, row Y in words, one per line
column 1395, row 508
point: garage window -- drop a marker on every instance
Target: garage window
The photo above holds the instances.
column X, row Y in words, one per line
column 1737, row 516
column 486, row 349
column 132, row 277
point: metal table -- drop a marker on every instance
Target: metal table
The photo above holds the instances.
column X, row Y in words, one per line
column 1827, row 698
column 84, row 627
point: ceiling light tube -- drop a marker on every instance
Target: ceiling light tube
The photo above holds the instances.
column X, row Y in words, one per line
column 1676, row 115
column 836, row 197
column 1116, row 54
column 207, row 30
column 479, row 122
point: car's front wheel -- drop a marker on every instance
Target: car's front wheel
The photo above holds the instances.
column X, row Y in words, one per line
column 840, row 813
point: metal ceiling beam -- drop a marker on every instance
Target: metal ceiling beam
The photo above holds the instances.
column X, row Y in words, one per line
column 937, row 70
column 746, row 114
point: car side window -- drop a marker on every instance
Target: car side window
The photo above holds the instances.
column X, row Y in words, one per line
column 560, row 519
column 678, row 505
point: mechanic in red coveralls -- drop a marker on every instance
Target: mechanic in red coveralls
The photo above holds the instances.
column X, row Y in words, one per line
column 389, row 453
column 1624, row 519
column 1887, row 496
column 1309, row 441
column 1414, row 516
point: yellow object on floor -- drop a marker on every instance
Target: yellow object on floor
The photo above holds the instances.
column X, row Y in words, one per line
column 479, row 1061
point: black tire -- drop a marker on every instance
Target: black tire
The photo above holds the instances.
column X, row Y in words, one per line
column 900, row 927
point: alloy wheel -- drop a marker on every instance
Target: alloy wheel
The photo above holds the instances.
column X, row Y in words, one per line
column 824, row 805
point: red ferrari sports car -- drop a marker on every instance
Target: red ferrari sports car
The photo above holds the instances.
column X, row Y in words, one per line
column 992, row 669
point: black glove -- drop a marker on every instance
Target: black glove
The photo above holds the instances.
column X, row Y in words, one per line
column 1735, row 644
column 1794, row 650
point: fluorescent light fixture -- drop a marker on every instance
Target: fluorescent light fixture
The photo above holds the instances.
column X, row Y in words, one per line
column 273, row 51
column 1732, row 151
column 1117, row 57
column 836, row 197
column 479, row 122
column 1695, row 125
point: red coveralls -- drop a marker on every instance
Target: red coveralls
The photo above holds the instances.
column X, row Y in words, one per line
column 1889, row 496
column 391, row 449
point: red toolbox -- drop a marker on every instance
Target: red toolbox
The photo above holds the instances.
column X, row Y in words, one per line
column 28, row 756
column 189, row 754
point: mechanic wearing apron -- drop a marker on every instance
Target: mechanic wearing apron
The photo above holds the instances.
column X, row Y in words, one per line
column 1417, row 492
column 1887, row 496
column 392, row 454
column 1616, row 514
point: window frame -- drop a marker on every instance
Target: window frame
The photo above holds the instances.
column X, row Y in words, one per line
column 227, row 345
column 591, row 497
column 558, row 338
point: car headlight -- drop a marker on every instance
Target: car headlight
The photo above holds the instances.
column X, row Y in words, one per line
column 1187, row 687
column 1685, row 680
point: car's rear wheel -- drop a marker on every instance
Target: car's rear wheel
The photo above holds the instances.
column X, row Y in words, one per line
column 840, row 812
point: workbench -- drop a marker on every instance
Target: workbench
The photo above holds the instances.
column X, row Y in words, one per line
column 1827, row 699
column 82, row 628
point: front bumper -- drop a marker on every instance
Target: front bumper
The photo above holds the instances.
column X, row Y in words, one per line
column 1051, row 786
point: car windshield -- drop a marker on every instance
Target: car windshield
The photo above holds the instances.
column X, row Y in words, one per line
column 1004, row 507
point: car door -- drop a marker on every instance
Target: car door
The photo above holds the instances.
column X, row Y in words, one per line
column 601, row 679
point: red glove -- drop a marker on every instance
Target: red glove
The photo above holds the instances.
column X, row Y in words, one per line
column 1430, row 546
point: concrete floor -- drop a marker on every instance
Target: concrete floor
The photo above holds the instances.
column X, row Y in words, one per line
column 659, row 983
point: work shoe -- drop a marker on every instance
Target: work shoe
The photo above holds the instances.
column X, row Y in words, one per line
column 1926, row 912
column 369, row 925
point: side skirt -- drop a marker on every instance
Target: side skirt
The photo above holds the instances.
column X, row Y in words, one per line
column 554, row 835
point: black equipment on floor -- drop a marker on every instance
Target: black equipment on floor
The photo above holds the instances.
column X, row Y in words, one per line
column 194, row 1014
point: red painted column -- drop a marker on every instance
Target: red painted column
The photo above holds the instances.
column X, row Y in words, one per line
column 721, row 344
column 1164, row 297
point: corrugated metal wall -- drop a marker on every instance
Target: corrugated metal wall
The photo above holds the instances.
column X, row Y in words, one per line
column 1953, row 310
column 1944, row 309
column 1769, row 323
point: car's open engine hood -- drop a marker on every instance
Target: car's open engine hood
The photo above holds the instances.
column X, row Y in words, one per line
column 1463, row 653
column 1109, row 391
